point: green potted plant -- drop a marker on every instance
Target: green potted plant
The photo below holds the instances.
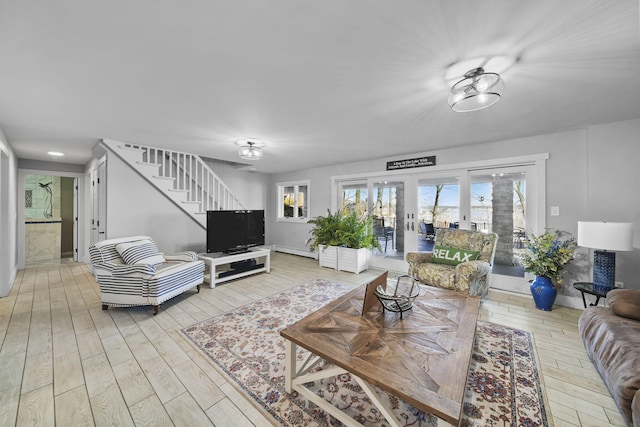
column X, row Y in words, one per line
column 546, row 255
column 323, row 238
column 343, row 240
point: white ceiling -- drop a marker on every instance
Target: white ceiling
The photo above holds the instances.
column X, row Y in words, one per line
column 320, row 82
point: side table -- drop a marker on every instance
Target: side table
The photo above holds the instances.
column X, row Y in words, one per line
column 587, row 288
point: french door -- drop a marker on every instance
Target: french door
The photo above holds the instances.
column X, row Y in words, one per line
column 504, row 201
column 384, row 199
column 409, row 208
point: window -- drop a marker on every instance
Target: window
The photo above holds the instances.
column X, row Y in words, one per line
column 293, row 201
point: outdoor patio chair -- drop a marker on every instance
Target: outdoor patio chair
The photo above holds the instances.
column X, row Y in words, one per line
column 428, row 230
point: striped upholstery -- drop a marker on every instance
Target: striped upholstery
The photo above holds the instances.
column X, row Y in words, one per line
column 123, row 284
column 181, row 256
column 105, row 251
column 140, row 252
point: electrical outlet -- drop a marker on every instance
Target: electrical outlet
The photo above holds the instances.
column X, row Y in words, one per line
column 619, row 284
column 555, row 210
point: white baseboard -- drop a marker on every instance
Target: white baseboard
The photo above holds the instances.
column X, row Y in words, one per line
column 572, row 302
column 563, row 300
column 294, row 251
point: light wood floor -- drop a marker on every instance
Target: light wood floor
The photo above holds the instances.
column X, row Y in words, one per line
column 64, row 361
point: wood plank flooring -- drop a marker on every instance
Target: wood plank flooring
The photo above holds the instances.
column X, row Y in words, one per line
column 64, row 361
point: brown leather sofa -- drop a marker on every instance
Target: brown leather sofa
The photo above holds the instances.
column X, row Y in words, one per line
column 612, row 339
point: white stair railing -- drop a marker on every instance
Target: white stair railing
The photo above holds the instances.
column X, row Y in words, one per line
column 188, row 173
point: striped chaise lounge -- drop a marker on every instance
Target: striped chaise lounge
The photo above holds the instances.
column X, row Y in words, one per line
column 131, row 271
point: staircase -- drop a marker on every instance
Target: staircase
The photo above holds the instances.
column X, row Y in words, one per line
column 184, row 178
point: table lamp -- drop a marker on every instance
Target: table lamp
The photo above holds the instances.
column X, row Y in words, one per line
column 604, row 237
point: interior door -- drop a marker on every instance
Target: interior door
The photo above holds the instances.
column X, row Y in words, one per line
column 75, row 219
column 98, row 202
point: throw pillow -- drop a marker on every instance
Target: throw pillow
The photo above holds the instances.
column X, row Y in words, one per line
column 140, row 252
column 625, row 303
column 452, row 256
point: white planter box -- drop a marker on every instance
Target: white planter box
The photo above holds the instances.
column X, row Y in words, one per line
column 353, row 260
column 328, row 256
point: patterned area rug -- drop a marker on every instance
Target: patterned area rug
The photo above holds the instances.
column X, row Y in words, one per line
column 503, row 387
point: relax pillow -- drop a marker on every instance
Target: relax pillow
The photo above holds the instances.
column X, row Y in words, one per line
column 625, row 303
column 452, row 256
column 140, row 252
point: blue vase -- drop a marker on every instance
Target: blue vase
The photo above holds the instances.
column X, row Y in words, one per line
column 544, row 293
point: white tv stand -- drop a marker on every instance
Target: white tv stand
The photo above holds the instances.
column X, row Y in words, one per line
column 216, row 259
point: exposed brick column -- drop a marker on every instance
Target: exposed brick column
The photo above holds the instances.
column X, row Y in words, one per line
column 503, row 218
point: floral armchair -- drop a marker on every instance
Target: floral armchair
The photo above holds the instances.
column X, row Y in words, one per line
column 461, row 261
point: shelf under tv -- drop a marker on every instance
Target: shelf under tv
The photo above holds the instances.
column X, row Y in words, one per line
column 217, row 261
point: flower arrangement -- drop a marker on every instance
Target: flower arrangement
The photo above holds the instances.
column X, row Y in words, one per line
column 547, row 254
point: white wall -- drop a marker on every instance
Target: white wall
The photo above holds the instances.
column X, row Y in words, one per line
column 134, row 207
column 249, row 187
column 591, row 175
column 612, row 193
column 8, row 215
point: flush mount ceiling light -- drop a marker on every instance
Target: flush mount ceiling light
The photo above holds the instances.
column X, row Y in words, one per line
column 477, row 90
column 250, row 149
column 55, row 153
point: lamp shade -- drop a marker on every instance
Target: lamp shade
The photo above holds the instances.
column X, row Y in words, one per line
column 609, row 236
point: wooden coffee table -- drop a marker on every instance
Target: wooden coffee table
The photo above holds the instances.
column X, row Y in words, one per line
column 422, row 359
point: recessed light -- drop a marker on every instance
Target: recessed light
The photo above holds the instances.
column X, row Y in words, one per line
column 55, row 154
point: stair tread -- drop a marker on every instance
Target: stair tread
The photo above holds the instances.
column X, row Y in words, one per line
column 177, row 190
column 169, row 178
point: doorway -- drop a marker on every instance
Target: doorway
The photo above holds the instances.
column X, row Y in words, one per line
column 48, row 216
column 49, row 205
column 7, row 256
column 505, row 197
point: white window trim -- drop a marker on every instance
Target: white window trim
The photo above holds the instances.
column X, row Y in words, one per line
column 280, row 186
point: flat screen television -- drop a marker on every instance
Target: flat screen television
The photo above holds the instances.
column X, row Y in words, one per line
column 234, row 231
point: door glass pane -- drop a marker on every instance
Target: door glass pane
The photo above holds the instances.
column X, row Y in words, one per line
column 388, row 212
column 438, row 207
column 498, row 205
column 354, row 198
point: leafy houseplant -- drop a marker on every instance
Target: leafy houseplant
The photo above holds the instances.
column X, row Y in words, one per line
column 546, row 255
column 343, row 229
column 343, row 240
column 324, row 231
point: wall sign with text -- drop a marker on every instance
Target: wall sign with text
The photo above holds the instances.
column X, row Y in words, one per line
column 411, row 163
